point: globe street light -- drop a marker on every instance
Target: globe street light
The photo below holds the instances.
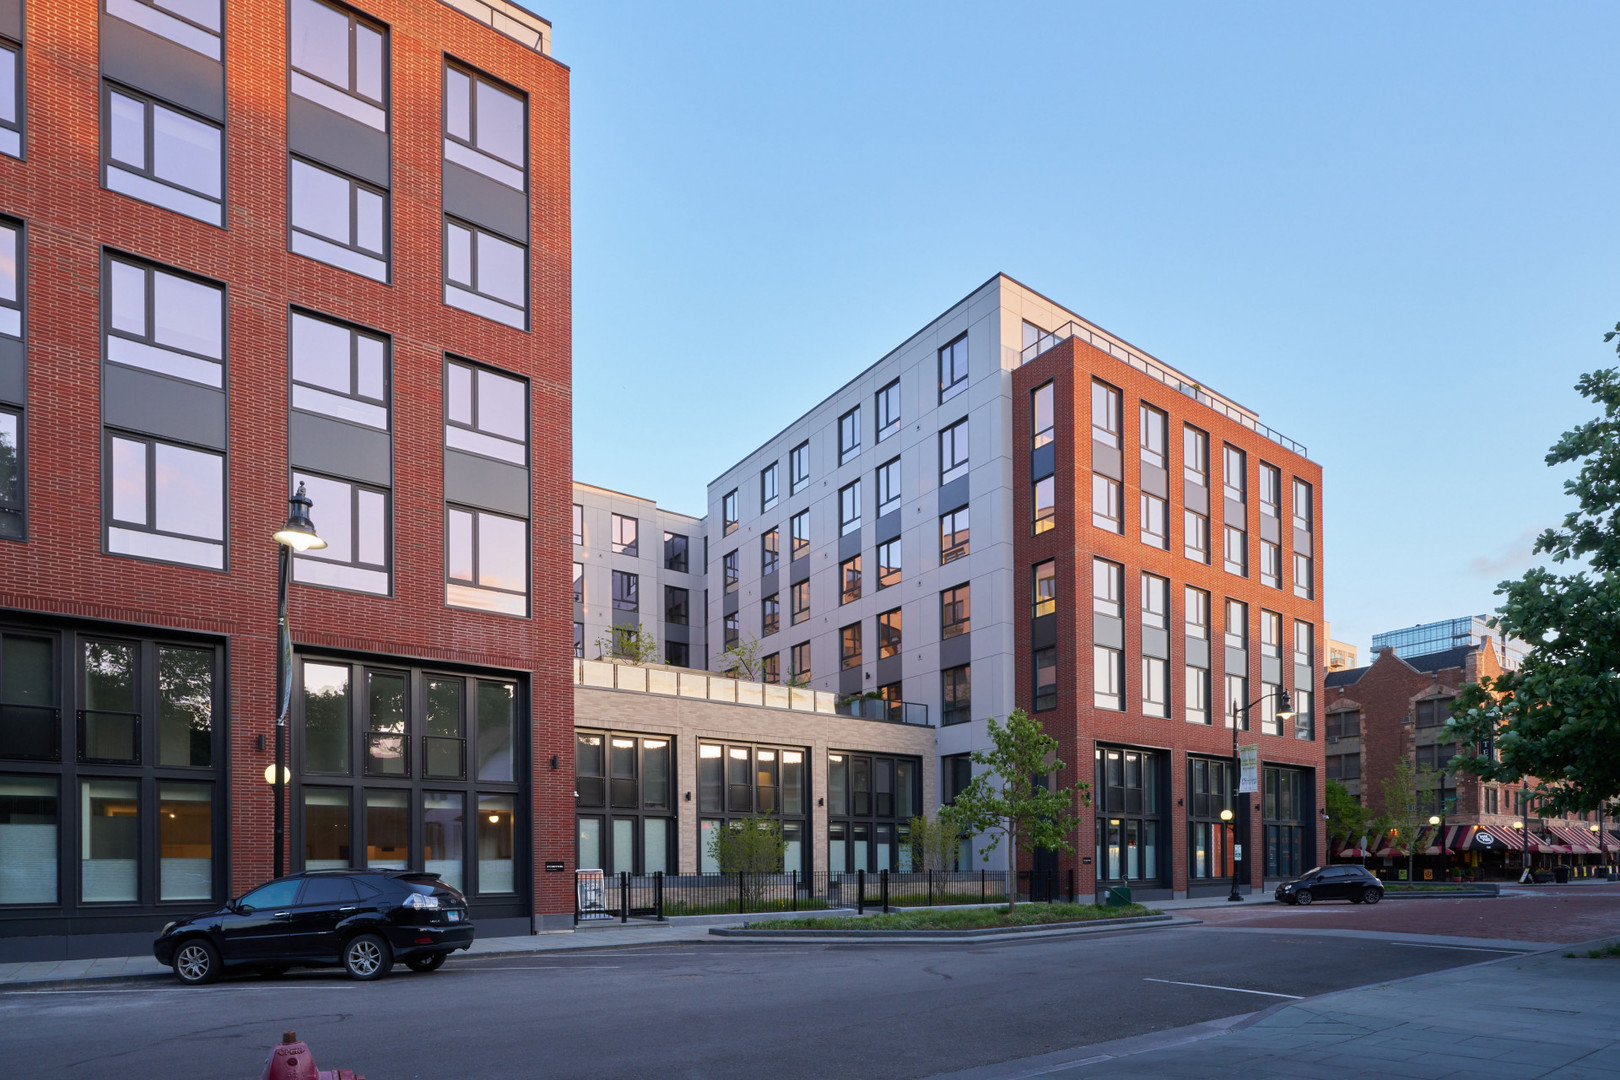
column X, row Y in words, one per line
column 298, row 534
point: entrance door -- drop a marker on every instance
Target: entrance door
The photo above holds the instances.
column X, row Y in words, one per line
column 1043, row 883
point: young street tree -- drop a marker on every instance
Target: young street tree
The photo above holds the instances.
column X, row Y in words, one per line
column 1406, row 809
column 1011, row 801
column 1557, row 717
column 1346, row 817
column 752, row 848
column 932, row 844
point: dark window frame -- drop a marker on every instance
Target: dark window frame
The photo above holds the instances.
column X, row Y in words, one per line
column 451, row 360
column 148, row 171
column 521, row 312
column 849, row 435
column 886, row 409
column 352, row 244
column 799, row 455
column 478, row 513
column 356, row 332
column 150, row 525
column 953, row 361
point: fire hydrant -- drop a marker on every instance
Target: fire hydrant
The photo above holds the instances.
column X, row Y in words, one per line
column 291, row 1060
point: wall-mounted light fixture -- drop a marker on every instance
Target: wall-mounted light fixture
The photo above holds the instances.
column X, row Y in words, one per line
column 688, row 796
column 258, row 742
column 554, row 761
column 820, row 801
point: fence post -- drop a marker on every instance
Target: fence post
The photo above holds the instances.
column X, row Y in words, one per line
column 576, row 896
column 795, row 890
column 1071, row 884
column 981, row 884
column 883, row 881
column 930, row 888
column 742, row 893
column 624, row 896
column 658, row 894
column 860, row 892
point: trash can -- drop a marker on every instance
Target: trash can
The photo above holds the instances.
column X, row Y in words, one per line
column 1561, row 875
column 1119, row 896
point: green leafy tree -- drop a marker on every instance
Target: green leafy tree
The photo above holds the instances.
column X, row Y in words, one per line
column 634, row 644
column 1557, row 718
column 1346, row 817
column 1011, row 800
column 933, row 844
column 751, row 847
column 1406, row 808
column 742, row 660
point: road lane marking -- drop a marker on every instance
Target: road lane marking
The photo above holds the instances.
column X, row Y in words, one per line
column 1233, row 989
column 1459, row 948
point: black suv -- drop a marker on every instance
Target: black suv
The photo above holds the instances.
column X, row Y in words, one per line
column 363, row 920
column 1353, row 883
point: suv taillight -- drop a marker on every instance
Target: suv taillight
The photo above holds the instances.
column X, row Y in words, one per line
column 422, row 902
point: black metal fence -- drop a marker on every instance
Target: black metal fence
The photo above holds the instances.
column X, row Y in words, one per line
column 1047, row 886
column 623, row 897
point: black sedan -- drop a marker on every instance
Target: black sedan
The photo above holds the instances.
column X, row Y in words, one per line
column 361, row 920
column 1353, row 883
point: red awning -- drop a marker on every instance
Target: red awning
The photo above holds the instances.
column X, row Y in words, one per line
column 1544, row 846
column 1578, row 844
column 1351, row 851
column 1495, row 838
column 1457, row 837
column 1428, row 841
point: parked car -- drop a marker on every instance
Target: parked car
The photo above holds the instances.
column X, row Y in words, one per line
column 1353, row 883
column 361, row 920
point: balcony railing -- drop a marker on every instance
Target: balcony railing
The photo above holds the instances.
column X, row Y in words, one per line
column 889, row 712
column 1154, row 369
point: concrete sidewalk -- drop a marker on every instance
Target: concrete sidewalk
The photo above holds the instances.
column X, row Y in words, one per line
column 1540, row 1015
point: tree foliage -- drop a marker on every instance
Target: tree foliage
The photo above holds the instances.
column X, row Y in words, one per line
column 753, row 845
column 742, row 660
column 933, row 844
column 635, row 644
column 1011, row 800
column 1347, row 818
column 1406, row 808
column 1557, row 718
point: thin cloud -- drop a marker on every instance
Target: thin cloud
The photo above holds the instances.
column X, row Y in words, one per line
column 1517, row 557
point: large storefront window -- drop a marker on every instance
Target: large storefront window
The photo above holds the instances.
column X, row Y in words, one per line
column 109, row 790
column 624, row 820
column 1283, row 816
column 1130, row 832
column 393, row 762
column 869, row 801
column 737, row 781
column 1209, row 844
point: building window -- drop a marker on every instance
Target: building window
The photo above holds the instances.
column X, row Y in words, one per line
column 677, row 654
column 1045, row 679
column 337, row 220
column 342, row 372
column 955, row 612
column 1269, row 722
column 1198, row 695
column 799, row 534
column 1041, row 415
column 953, row 452
column 732, row 630
column 340, row 61
column 1209, row 848
column 354, row 522
column 1108, row 677
column 675, row 548
column 677, row 605
column 11, row 102
column 849, row 646
column 1283, row 808
column 767, row 487
column 1237, row 624
column 487, row 561
column 1195, row 456
column 1270, row 490
column 579, row 583
column 1270, row 564
column 1237, row 551
column 849, row 508
column 1155, row 602
column 579, row 524
column 1304, row 715
column 1304, row 579
column 192, row 23
column 869, row 801
column 579, row 640
column 1155, row 522
column 1234, row 474
column 1343, row 725
column 635, row 788
column 1107, row 588
column 1105, row 414
column 1105, row 504
column 485, row 274
column 1237, row 700
column 484, row 127
column 1302, row 505
column 953, row 535
column 163, row 156
column 1130, row 840
column 798, row 468
column 486, row 413
column 1270, row 634
column 730, row 570
column 1433, row 713
column 770, row 668
column 888, row 623
column 11, row 267
column 887, row 405
column 953, row 368
column 162, row 321
column 1492, row 802
column 888, row 487
column 770, row 557
column 799, row 663
column 770, row 610
column 1304, row 644
column 624, row 535
column 1195, row 538
column 1154, row 425
column 164, row 502
column 888, row 563
column 626, row 591
column 1045, row 588
column 849, row 578
column 849, row 434
column 801, row 602
column 729, row 518
column 956, row 695
column 13, row 502
column 1045, row 504
column 1197, row 613
column 1348, row 767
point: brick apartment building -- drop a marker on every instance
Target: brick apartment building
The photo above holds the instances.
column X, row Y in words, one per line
column 245, row 246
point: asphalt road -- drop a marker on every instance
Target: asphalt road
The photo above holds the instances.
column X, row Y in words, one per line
column 778, row 1012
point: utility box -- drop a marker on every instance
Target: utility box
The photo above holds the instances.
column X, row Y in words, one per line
column 1119, row 896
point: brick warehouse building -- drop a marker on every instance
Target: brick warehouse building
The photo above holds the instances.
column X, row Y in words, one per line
column 1151, row 612
column 222, row 225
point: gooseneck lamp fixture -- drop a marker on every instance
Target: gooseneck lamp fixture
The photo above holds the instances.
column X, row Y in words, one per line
column 298, row 534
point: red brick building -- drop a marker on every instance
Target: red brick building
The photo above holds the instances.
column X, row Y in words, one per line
column 247, row 245
column 1172, row 564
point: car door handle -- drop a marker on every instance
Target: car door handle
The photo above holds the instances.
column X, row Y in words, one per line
column 343, row 910
column 282, row 915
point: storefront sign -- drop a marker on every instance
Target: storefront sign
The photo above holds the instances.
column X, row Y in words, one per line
column 554, row 866
column 1248, row 769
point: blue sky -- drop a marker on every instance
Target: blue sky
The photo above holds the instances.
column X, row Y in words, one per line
column 1390, row 229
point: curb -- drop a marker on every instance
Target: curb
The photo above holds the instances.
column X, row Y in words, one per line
column 965, row 936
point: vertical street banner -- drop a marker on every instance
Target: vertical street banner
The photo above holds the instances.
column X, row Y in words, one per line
column 1248, row 769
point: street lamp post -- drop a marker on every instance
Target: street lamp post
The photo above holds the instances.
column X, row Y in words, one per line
column 298, row 534
column 1434, row 823
column 1285, row 711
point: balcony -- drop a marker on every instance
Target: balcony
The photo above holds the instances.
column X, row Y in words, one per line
column 687, row 683
column 888, row 712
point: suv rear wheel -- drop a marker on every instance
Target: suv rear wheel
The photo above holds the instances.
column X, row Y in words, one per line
column 367, row 957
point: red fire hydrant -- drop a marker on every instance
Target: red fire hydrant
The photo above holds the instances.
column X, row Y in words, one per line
column 291, row 1060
